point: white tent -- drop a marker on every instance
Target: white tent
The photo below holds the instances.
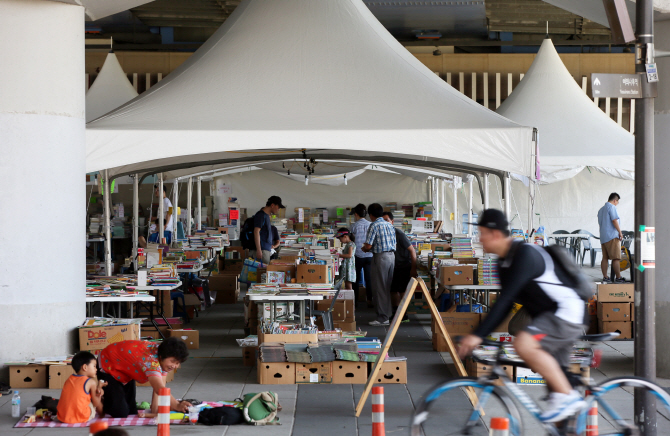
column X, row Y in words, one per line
column 110, row 89
column 574, row 132
column 282, row 76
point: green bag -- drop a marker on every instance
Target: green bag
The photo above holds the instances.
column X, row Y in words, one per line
column 261, row 408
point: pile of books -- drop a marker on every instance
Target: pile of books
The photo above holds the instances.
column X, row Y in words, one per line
column 487, row 270
column 461, row 247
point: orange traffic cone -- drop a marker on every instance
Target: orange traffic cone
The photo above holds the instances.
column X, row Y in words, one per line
column 96, row 427
column 592, row 421
column 499, row 426
column 163, row 419
column 378, row 428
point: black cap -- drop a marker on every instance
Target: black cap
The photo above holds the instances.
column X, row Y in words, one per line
column 275, row 200
column 359, row 209
column 493, row 219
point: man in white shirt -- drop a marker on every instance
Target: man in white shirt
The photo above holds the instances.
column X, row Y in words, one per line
column 168, row 215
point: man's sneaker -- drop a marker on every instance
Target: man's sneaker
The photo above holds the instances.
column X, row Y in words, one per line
column 606, row 280
column 379, row 323
column 562, row 406
column 620, row 280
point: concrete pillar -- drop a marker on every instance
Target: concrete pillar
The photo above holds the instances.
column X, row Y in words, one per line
column 662, row 181
column 42, row 143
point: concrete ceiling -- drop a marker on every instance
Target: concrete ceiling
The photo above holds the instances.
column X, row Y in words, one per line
column 184, row 25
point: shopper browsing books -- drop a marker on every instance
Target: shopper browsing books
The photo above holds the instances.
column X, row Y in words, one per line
column 348, row 271
column 263, row 241
column 381, row 242
column 362, row 260
column 404, row 268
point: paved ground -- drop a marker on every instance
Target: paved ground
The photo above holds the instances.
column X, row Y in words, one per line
column 215, row 372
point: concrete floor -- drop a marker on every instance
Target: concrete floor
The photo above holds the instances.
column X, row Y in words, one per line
column 215, row 372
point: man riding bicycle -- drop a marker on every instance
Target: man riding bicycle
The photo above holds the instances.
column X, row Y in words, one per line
column 528, row 276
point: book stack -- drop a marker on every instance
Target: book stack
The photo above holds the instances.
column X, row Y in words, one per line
column 297, row 353
column 487, row 270
column 321, row 353
column 461, row 247
column 94, row 225
column 272, row 352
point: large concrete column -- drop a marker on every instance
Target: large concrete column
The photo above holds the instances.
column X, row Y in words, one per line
column 662, row 182
column 42, row 144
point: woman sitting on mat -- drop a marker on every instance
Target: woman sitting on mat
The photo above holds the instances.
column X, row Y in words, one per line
column 121, row 364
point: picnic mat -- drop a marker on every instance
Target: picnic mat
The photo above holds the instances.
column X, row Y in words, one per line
column 130, row 421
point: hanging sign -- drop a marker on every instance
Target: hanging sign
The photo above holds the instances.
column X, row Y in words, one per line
column 647, row 247
column 301, row 215
column 225, row 190
column 616, row 85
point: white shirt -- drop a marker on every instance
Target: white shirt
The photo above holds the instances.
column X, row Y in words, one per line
column 167, row 204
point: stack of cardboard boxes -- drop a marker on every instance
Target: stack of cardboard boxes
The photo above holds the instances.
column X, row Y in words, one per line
column 224, row 283
column 615, row 309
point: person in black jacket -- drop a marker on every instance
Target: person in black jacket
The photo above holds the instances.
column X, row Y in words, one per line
column 528, row 277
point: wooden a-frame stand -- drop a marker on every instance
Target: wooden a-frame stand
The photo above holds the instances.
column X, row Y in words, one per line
column 411, row 288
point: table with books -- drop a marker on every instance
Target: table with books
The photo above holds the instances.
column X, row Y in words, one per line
column 264, row 293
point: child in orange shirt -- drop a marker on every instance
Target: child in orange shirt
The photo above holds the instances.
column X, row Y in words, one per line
column 81, row 396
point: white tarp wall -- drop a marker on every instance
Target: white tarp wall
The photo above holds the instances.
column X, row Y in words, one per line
column 253, row 188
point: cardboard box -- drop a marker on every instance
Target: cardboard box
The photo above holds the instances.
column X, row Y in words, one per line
column 614, row 311
column 190, row 337
column 478, row 369
column 616, row 293
column 227, row 297
column 440, row 246
column 318, row 372
column 576, row 368
column 289, row 270
column 58, row 374
column 504, row 325
column 97, row 338
column 349, row 326
column 312, row 274
column 224, row 282
column 458, row 323
column 280, row 373
column 624, row 328
column 350, row 372
column 525, row 376
column 153, row 333
column 393, row 372
column 343, row 311
column 632, row 312
column 457, row 275
column 288, row 339
column 28, row 376
column 249, row 356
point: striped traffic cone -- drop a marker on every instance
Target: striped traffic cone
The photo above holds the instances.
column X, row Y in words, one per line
column 592, row 421
column 163, row 419
column 499, row 426
column 378, row 412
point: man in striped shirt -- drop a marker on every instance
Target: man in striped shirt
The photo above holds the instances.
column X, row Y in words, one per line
column 381, row 242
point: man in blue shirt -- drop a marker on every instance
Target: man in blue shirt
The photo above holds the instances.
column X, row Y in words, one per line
column 610, row 237
column 263, row 230
column 363, row 260
column 381, row 242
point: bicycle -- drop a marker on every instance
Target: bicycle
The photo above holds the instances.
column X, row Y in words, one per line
column 447, row 402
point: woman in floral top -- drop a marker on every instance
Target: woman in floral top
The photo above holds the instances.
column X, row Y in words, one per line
column 124, row 363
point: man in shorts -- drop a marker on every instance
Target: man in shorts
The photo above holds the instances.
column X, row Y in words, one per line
column 405, row 266
column 557, row 312
column 610, row 237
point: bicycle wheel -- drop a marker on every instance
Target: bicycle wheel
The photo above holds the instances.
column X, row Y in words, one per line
column 446, row 410
column 614, row 399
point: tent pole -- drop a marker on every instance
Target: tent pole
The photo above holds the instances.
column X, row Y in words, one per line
column 108, row 230
column 507, row 197
column 487, row 199
column 531, row 207
column 136, row 216
column 198, row 223
column 175, row 209
column 161, row 209
column 455, row 192
column 470, row 226
column 189, row 195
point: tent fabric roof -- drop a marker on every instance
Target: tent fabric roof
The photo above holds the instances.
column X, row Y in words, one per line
column 110, row 89
column 324, row 76
column 573, row 131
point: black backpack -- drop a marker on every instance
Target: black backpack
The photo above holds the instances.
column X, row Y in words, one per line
column 247, row 234
column 575, row 278
column 221, row 416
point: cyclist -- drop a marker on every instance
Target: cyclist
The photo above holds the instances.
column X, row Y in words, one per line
column 557, row 312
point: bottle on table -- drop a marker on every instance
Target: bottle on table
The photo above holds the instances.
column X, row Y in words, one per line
column 16, row 405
